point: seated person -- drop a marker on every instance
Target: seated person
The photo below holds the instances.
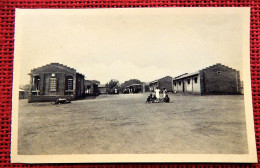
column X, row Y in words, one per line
column 154, row 99
column 166, row 99
column 149, row 99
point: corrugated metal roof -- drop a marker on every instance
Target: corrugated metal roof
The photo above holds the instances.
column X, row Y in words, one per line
column 159, row 79
column 187, row 75
column 134, row 85
column 102, row 85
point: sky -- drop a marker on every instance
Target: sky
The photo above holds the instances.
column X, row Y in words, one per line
column 123, row 44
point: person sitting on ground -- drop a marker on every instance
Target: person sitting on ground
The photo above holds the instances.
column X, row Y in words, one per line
column 149, row 99
column 166, row 99
column 164, row 93
column 154, row 99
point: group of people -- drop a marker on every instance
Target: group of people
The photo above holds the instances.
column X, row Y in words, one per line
column 155, row 98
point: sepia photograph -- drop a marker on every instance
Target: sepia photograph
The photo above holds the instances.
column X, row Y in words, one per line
column 132, row 85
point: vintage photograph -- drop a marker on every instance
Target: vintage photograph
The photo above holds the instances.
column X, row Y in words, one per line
column 132, row 85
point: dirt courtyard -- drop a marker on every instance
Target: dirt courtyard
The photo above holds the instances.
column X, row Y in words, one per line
column 111, row 124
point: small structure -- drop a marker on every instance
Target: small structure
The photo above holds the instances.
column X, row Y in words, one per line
column 91, row 87
column 54, row 81
column 165, row 82
column 216, row 79
column 102, row 89
column 23, row 94
column 135, row 88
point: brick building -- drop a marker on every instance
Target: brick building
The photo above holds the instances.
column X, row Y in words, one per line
column 216, row 79
column 54, row 81
column 165, row 82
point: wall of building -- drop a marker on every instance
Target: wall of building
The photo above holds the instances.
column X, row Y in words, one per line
column 220, row 79
column 182, row 85
column 91, row 87
column 80, row 89
column 178, row 85
column 102, row 90
column 196, row 85
column 60, row 73
column 166, row 83
column 60, row 89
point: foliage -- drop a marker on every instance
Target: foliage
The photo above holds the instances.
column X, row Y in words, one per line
column 25, row 87
column 112, row 85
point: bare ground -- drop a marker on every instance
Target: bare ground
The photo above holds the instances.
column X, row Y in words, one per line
column 121, row 124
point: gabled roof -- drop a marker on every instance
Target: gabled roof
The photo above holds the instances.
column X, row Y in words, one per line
column 58, row 65
column 181, row 75
column 91, row 81
column 186, row 75
column 137, row 84
column 102, row 85
column 218, row 64
column 160, row 79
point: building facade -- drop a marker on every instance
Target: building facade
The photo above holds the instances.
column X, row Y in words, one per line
column 165, row 82
column 54, row 81
column 216, row 79
column 91, row 88
column 23, row 94
column 135, row 88
column 102, row 89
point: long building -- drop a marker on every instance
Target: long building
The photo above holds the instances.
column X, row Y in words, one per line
column 54, row 81
column 165, row 82
column 215, row 79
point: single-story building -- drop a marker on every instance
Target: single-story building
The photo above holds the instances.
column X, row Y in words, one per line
column 102, row 89
column 215, row 79
column 91, row 87
column 165, row 82
column 135, row 88
column 23, row 94
column 54, row 81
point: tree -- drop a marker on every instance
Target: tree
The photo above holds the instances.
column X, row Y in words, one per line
column 112, row 85
column 25, row 87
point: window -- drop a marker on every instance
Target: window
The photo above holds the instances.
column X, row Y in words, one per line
column 180, row 83
column 218, row 72
column 195, row 79
column 188, row 81
column 69, row 86
column 175, row 83
column 53, row 84
column 69, row 83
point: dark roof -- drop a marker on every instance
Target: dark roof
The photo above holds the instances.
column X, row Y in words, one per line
column 102, row 85
column 218, row 64
column 181, row 75
column 186, row 75
column 137, row 84
column 159, row 79
column 91, row 81
column 197, row 72
column 58, row 65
